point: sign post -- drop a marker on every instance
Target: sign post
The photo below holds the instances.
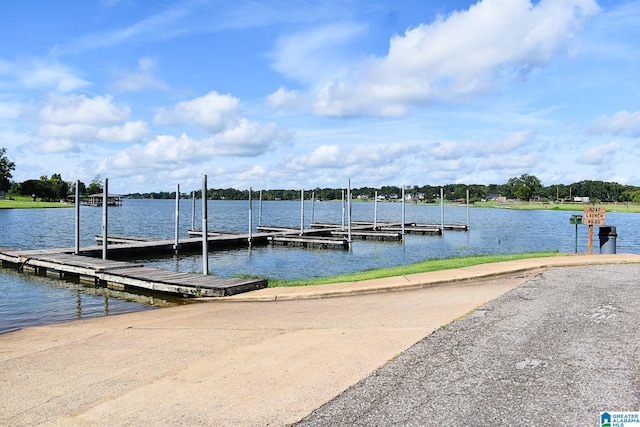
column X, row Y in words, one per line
column 576, row 219
column 593, row 216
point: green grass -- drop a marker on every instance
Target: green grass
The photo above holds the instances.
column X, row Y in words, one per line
column 26, row 202
column 421, row 267
column 574, row 207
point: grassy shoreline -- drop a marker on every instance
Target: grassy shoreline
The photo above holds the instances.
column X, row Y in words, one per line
column 574, row 207
column 420, row 267
column 26, row 202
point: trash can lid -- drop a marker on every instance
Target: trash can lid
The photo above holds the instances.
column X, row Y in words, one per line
column 607, row 230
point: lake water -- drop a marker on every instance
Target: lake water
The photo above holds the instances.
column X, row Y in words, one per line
column 27, row 300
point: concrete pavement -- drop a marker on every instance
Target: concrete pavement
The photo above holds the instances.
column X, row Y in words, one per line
column 557, row 350
column 240, row 361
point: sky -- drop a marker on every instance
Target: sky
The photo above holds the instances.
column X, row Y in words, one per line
column 289, row 94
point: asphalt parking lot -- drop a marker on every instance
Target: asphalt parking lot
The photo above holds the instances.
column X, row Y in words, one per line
column 556, row 350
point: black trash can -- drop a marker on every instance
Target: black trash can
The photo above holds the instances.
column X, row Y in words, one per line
column 607, row 235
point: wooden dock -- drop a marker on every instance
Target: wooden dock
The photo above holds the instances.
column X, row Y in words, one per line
column 122, row 275
column 307, row 241
column 388, row 230
column 416, row 227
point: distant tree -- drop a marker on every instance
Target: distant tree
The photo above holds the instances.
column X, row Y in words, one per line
column 81, row 186
column 59, row 187
column 31, row 187
column 525, row 187
column 6, row 167
column 95, row 187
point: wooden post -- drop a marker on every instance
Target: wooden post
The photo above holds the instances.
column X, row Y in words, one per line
column 77, row 249
column 313, row 206
column 205, row 231
column 590, row 240
column 105, row 217
column 177, row 222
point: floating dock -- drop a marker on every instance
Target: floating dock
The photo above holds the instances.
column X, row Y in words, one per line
column 119, row 273
column 123, row 275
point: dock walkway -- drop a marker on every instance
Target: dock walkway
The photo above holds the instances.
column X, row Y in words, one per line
column 123, row 275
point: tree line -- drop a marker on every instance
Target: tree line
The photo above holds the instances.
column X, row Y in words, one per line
column 525, row 187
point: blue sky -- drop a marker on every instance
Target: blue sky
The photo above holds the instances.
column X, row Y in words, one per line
column 306, row 94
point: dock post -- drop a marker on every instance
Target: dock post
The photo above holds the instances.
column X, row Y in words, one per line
column 349, row 212
column 313, row 206
column 468, row 223
column 441, row 210
column 193, row 209
column 403, row 212
column 250, row 216
column 105, row 217
column 342, row 210
column 260, row 210
column 205, row 232
column 375, row 211
column 177, row 225
column 301, row 212
column 77, row 249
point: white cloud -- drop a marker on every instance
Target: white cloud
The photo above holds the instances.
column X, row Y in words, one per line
column 12, row 138
column 46, row 75
column 600, row 154
column 362, row 156
column 130, row 131
column 68, row 109
column 312, row 55
column 456, row 56
column 74, row 131
column 622, row 123
column 516, row 164
column 246, row 139
column 213, row 112
column 139, row 80
column 286, row 99
column 447, row 150
column 52, row 146
column 511, row 142
column 325, row 156
column 249, row 138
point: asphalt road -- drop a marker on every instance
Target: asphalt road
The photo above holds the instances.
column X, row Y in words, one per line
column 555, row 351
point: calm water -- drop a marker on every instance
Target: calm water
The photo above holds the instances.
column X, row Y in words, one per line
column 28, row 300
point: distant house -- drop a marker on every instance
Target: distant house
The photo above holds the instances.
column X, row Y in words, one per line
column 581, row 199
column 2, row 195
column 496, row 198
column 96, row 199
